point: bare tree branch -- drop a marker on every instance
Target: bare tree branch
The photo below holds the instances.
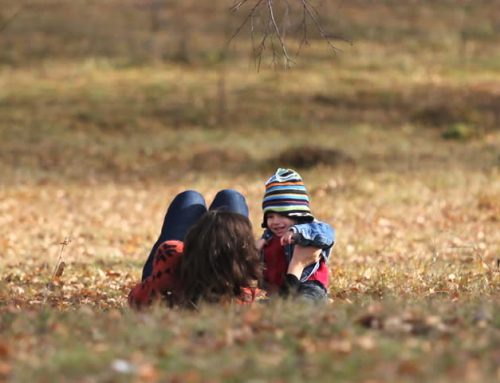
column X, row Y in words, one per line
column 237, row 6
column 260, row 50
column 245, row 21
column 5, row 23
column 313, row 14
column 272, row 30
column 303, row 24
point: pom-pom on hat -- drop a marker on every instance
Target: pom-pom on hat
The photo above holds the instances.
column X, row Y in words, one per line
column 286, row 194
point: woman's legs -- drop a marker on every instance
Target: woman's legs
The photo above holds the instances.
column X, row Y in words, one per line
column 230, row 200
column 183, row 212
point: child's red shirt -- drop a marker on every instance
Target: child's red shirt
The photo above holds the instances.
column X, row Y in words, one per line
column 276, row 265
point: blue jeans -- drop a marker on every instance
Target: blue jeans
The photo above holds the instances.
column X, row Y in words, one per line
column 185, row 210
column 313, row 291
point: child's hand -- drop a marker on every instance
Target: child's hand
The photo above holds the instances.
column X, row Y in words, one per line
column 288, row 238
column 260, row 243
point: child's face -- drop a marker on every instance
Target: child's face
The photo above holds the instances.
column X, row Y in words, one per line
column 278, row 224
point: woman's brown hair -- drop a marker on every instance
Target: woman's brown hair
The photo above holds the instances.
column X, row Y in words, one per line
column 220, row 259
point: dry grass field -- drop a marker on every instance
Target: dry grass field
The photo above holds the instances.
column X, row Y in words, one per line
column 397, row 137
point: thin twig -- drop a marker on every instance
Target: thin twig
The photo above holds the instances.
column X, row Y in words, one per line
column 278, row 33
column 237, row 6
column 303, row 23
column 286, row 20
column 10, row 18
column 248, row 17
column 313, row 14
column 66, row 242
column 254, row 46
column 63, row 244
column 260, row 49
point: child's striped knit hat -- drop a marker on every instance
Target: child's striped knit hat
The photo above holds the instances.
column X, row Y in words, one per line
column 286, row 194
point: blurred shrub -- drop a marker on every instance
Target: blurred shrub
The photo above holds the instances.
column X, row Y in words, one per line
column 459, row 131
column 438, row 114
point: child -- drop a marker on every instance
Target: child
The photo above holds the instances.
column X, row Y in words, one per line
column 294, row 247
column 202, row 256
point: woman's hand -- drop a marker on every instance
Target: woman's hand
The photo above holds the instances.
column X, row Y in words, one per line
column 302, row 257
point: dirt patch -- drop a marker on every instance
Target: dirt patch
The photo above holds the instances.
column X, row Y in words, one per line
column 425, row 105
column 304, row 157
column 213, row 159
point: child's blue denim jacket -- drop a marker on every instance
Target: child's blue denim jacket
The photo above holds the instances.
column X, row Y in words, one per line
column 317, row 234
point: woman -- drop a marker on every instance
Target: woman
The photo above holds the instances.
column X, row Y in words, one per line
column 202, row 255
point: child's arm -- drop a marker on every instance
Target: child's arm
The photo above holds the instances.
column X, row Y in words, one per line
column 316, row 234
column 266, row 236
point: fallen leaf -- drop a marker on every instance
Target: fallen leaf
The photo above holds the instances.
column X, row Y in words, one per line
column 4, row 351
column 408, row 367
column 148, row 373
column 60, row 270
column 5, row 369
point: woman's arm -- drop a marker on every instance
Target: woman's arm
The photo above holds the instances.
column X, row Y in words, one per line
column 259, row 244
column 162, row 278
column 302, row 257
